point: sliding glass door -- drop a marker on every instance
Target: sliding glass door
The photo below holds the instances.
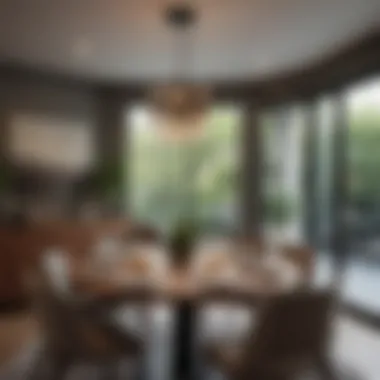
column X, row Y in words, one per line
column 283, row 137
column 362, row 283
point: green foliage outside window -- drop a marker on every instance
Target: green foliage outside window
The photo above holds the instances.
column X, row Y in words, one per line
column 194, row 179
column 364, row 158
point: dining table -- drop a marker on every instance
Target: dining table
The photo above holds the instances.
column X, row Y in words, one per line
column 227, row 278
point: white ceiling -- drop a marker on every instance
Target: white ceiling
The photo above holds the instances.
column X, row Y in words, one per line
column 128, row 40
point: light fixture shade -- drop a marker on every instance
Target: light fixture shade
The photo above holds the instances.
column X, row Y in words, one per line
column 180, row 110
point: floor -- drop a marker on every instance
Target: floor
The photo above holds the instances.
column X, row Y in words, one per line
column 356, row 349
column 360, row 284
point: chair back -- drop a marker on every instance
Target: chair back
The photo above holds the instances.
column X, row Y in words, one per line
column 292, row 332
column 142, row 233
column 256, row 244
column 52, row 304
column 301, row 256
column 107, row 251
column 70, row 331
column 55, row 268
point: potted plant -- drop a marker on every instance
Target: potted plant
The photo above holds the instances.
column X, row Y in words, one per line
column 181, row 242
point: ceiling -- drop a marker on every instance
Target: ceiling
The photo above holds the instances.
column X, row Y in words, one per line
column 127, row 40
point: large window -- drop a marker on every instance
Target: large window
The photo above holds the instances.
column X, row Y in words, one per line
column 192, row 178
column 328, row 150
column 362, row 284
column 325, row 125
column 283, row 141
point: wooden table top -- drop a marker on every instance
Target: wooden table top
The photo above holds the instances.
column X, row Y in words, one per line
column 124, row 278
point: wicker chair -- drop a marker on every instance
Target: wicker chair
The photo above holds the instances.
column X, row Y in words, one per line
column 72, row 334
column 302, row 257
column 142, row 233
column 291, row 337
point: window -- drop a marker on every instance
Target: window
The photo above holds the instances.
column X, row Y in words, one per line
column 195, row 178
column 283, row 134
column 362, row 284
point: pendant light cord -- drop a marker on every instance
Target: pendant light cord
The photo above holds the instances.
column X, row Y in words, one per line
column 182, row 19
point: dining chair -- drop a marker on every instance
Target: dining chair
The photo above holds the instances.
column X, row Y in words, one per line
column 222, row 314
column 142, row 233
column 213, row 264
column 302, row 257
column 106, row 251
column 256, row 244
column 249, row 250
column 135, row 265
column 74, row 334
column 55, row 264
column 291, row 336
column 145, row 243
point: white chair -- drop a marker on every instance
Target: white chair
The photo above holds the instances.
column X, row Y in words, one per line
column 107, row 250
column 55, row 265
column 72, row 332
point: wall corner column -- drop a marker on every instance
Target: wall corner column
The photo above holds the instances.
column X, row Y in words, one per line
column 251, row 172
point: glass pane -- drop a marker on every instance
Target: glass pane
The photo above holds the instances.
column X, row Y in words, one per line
column 324, row 170
column 325, row 156
column 363, row 210
column 283, row 137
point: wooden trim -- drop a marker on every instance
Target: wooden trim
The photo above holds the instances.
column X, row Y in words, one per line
column 310, row 172
column 251, row 168
column 11, row 70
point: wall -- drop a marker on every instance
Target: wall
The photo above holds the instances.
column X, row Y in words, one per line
column 34, row 94
column 44, row 95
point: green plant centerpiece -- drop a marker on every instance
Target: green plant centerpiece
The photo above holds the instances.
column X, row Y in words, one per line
column 181, row 242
